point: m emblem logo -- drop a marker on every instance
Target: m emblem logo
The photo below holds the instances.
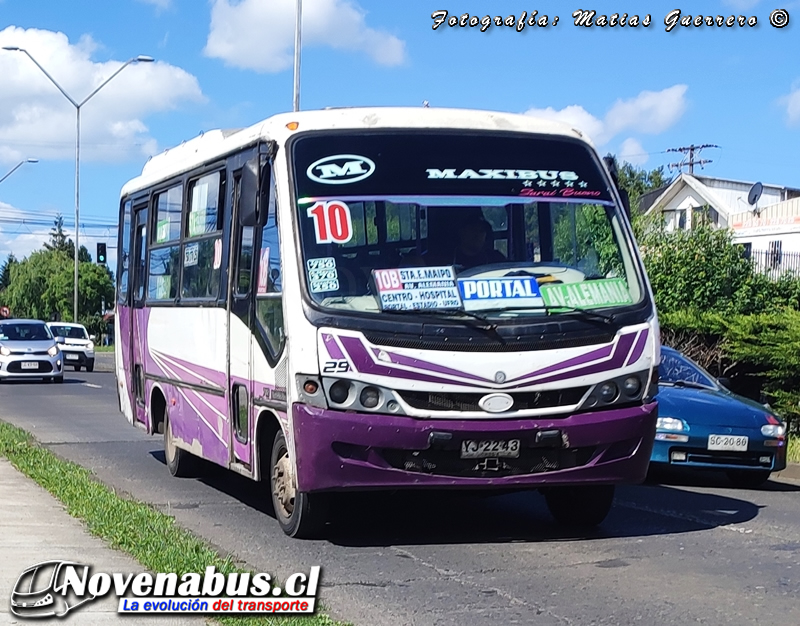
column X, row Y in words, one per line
column 340, row 169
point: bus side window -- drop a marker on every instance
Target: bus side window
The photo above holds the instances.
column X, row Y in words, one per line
column 241, row 410
column 269, row 302
column 244, row 269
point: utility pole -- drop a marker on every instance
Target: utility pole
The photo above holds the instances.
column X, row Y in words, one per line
column 688, row 159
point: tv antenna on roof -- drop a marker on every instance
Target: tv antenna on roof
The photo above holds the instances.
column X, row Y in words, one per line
column 752, row 197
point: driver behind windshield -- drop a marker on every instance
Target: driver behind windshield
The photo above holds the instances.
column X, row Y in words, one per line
column 473, row 245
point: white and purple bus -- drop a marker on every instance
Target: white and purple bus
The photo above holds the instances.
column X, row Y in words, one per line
column 360, row 299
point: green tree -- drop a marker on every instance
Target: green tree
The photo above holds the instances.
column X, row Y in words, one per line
column 700, row 270
column 42, row 285
column 5, row 271
column 59, row 241
column 638, row 182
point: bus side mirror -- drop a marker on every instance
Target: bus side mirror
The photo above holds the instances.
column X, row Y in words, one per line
column 611, row 165
column 248, row 194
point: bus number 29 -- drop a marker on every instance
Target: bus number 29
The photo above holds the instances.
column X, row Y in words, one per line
column 336, row 367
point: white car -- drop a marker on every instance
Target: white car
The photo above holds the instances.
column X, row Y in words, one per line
column 28, row 350
column 77, row 346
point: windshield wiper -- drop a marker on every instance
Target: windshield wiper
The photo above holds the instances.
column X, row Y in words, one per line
column 565, row 309
column 685, row 383
column 451, row 314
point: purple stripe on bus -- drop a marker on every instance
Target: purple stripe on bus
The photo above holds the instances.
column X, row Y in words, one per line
column 204, row 375
column 364, row 364
column 638, row 347
column 600, row 353
column 426, row 365
column 617, row 360
column 333, row 348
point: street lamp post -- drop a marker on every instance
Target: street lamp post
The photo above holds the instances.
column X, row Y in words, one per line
column 17, row 166
column 298, row 26
column 78, row 105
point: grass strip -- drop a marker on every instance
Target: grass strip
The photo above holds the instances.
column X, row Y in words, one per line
column 104, row 348
column 149, row 536
column 793, row 451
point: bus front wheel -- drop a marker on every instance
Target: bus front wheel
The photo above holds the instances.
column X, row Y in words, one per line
column 300, row 514
column 580, row 506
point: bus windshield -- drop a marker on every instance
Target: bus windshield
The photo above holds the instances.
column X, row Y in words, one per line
column 416, row 222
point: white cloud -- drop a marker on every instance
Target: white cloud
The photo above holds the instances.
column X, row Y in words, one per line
column 633, row 152
column 258, row 35
column 792, row 103
column 36, row 120
column 651, row 112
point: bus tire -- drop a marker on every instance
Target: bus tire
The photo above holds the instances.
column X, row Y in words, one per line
column 300, row 514
column 580, row 506
column 181, row 464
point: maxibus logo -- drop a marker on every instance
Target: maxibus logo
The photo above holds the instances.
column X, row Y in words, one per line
column 340, row 169
column 54, row 588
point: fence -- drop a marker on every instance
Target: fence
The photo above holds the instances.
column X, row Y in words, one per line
column 774, row 262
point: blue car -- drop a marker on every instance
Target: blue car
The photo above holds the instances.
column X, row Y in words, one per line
column 702, row 425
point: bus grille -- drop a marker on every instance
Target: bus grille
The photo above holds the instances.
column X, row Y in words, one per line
column 523, row 400
column 475, row 344
column 449, row 463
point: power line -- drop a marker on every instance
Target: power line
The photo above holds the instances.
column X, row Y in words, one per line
column 689, row 156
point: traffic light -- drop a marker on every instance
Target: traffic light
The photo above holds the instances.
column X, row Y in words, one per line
column 101, row 253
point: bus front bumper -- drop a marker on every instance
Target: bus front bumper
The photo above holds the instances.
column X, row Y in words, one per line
column 338, row 450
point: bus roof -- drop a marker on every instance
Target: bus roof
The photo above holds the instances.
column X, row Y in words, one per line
column 215, row 143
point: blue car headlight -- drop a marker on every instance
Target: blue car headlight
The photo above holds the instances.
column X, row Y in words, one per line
column 773, row 430
column 671, row 429
column 671, row 424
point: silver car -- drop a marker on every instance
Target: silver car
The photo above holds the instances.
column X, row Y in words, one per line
column 28, row 350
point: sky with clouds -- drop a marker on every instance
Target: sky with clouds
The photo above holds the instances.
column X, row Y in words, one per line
column 637, row 91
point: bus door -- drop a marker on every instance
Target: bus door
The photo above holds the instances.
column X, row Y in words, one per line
column 138, row 322
column 122, row 317
column 256, row 327
column 240, row 327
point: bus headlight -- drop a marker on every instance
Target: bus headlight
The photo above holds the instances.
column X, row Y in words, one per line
column 354, row 395
column 370, row 397
column 631, row 386
column 339, row 391
column 608, row 392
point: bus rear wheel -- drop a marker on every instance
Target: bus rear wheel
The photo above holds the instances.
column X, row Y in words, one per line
column 580, row 506
column 181, row 464
column 300, row 514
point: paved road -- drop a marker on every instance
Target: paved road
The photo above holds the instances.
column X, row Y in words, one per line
column 683, row 553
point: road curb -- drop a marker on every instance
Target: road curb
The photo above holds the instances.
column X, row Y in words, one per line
column 791, row 472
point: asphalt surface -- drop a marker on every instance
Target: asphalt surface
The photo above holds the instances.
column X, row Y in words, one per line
column 688, row 552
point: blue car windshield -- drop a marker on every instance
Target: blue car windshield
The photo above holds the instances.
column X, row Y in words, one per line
column 675, row 368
